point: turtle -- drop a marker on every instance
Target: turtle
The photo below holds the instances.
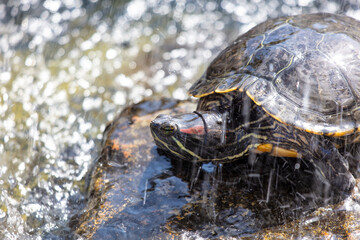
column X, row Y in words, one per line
column 135, row 193
column 289, row 87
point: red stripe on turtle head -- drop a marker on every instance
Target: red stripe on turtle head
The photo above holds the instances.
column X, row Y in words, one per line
column 199, row 129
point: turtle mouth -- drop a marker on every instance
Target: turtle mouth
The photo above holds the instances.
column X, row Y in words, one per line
column 165, row 143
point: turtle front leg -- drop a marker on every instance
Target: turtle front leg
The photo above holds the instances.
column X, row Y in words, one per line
column 330, row 166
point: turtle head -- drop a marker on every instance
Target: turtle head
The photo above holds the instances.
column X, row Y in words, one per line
column 197, row 136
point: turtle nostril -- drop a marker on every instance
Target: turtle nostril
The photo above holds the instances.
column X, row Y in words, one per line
column 155, row 125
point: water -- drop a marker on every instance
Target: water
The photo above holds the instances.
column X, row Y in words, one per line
column 68, row 67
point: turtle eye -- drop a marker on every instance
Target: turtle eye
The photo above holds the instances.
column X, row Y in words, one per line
column 167, row 128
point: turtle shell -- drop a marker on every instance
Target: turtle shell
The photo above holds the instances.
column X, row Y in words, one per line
column 303, row 70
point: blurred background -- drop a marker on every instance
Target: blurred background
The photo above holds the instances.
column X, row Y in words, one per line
column 68, row 67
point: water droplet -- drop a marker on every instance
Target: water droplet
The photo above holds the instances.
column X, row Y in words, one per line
column 52, row 5
column 136, row 9
column 111, row 53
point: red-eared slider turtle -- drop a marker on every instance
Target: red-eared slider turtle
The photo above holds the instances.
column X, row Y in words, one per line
column 289, row 87
column 135, row 193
